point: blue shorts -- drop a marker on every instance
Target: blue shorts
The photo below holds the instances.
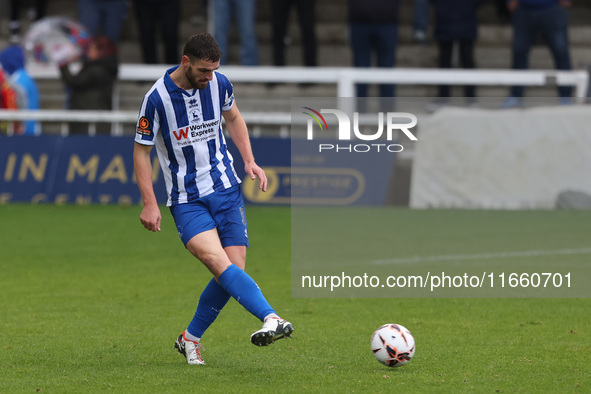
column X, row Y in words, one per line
column 224, row 210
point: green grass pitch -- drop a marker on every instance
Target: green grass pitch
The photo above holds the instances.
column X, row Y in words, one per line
column 92, row 302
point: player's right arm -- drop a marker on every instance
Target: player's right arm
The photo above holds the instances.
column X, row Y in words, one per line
column 150, row 216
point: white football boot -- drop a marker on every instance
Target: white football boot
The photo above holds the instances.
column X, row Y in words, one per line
column 273, row 329
column 189, row 349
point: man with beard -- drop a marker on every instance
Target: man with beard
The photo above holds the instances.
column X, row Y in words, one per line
column 181, row 116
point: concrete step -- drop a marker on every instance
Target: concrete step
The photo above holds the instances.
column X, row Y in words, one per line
column 329, row 33
column 337, row 11
column 409, row 55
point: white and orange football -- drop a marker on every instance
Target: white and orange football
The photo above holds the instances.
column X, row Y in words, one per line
column 393, row 345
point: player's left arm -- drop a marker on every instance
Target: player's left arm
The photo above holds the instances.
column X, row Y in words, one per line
column 239, row 133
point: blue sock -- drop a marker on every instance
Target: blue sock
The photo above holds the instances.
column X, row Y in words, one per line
column 212, row 300
column 244, row 290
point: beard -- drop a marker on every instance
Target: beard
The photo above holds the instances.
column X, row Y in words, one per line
column 195, row 83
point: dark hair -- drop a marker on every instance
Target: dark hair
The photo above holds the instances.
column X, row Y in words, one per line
column 202, row 46
column 104, row 46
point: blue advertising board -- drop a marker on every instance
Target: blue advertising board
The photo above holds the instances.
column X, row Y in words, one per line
column 299, row 174
column 73, row 169
column 99, row 170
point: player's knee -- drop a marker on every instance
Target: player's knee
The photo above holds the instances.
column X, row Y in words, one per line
column 215, row 263
column 237, row 255
column 205, row 257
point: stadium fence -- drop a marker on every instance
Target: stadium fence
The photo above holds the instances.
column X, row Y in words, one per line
column 345, row 79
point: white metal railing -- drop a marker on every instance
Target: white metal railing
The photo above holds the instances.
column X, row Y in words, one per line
column 346, row 77
column 281, row 119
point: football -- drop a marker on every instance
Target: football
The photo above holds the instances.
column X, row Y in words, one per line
column 393, row 345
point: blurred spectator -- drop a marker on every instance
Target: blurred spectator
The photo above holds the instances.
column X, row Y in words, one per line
column 8, row 101
column 27, row 93
column 502, row 11
column 420, row 21
column 245, row 13
column 158, row 14
column 374, row 32
column 456, row 22
column 548, row 19
column 103, row 17
column 92, row 87
column 280, row 10
column 33, row 14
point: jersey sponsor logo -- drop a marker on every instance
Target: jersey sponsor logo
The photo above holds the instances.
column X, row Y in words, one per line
column 144, row 127
column 195, row 131
column 181, row 134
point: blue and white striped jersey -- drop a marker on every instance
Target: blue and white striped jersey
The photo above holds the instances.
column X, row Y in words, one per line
column 186, row 128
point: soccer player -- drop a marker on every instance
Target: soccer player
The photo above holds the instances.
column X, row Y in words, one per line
column 181, row 115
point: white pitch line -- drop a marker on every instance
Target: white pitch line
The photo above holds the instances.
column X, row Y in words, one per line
column 483, row 256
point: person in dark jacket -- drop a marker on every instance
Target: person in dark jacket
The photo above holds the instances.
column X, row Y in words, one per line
column 374, row 31
column 456, row 22
column 92, row 87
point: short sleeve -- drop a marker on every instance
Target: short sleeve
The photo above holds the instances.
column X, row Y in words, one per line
column 148, row 123
column 226, row 92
